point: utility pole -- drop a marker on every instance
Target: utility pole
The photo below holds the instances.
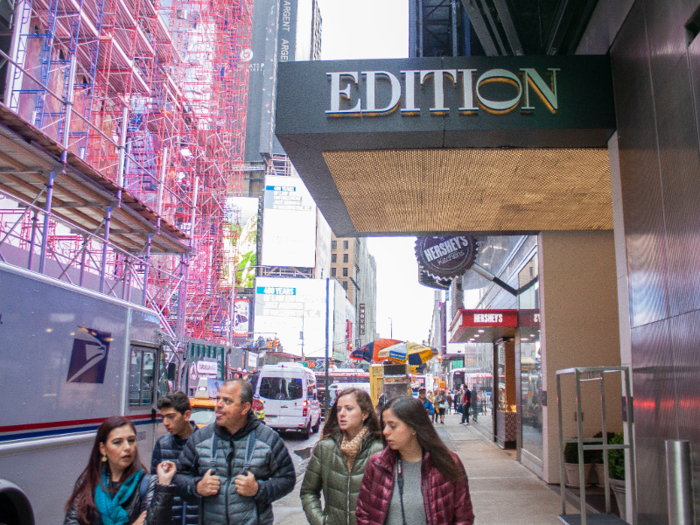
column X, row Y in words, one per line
column 301, row 335
column 391, row 325
column 325, row 396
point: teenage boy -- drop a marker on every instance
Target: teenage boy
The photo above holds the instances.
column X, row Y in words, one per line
column 176, row 411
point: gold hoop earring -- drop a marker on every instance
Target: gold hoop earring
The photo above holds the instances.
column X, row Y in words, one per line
column 104, row 457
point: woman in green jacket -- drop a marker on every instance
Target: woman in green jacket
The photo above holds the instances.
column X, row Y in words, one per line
column 351, row 435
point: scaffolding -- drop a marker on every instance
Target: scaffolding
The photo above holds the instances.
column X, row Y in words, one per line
column 136, row 113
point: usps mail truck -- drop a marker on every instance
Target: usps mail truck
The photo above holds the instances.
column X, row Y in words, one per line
column 69, row 359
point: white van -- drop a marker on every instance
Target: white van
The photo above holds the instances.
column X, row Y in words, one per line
column 337, row 387
column 288, row 391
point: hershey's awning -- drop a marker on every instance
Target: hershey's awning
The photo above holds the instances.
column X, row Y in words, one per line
column 483, row 326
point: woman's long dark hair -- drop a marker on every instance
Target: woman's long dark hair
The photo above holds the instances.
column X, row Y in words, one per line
column 84, row 495
column 412, row 413
column 364, row 401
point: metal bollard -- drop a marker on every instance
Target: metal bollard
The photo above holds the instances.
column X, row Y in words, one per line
column 679, row 480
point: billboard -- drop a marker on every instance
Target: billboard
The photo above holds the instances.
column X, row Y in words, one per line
column 287, row 307
column 323, row 247
column 241, row 318
column 241, row 241
column 289, row 223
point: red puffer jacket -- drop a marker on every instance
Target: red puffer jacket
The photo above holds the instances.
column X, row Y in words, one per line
column 446, row 502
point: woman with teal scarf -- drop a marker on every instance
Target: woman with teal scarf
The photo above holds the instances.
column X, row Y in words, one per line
column 112, row 489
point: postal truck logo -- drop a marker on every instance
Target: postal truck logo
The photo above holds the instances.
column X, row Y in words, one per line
column 521, row 88
column 88, row 361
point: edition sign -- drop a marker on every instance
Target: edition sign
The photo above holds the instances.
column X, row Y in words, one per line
column 441, row 102
column 446, row 257
column 522, row 86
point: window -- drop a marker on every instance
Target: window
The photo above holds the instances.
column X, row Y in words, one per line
column 282, row 388
column 332, row 272
column 334, row 245
column 345, row 257
column 334, row 257
column 345, row 286
column 345, row 245
column 141, row 376
column 345, row 272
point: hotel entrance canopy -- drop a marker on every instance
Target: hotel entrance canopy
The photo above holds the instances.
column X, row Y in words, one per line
column 478, row 144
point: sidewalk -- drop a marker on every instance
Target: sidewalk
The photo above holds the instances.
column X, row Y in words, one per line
column 503, row 492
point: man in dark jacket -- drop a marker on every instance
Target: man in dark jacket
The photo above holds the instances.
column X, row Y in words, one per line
column 466, row 403
column 176, row 411
column 237, row 465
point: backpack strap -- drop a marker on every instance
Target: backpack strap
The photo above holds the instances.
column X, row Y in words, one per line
column 214, row 446
column 143, row 486
column 249, row 449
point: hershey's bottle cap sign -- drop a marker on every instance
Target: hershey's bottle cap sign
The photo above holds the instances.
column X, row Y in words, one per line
column 446, row 256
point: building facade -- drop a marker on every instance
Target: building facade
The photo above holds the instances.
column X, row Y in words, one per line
column 356, row 270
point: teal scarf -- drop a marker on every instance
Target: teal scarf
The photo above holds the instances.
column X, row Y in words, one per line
column 110, row 507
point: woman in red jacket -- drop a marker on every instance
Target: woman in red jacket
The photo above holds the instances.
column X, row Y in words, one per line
column 415, row 480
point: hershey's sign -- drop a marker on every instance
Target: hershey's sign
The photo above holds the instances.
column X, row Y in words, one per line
column 357, row 93
column 446, row 257
column 488, row 318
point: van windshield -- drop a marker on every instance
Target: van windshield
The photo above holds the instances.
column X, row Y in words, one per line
column 281, row 388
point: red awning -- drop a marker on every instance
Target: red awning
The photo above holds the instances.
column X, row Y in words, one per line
column 483, row 326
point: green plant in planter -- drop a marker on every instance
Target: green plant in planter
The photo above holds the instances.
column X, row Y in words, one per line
column 597, row 455
column 571, row 454
column 616, row 458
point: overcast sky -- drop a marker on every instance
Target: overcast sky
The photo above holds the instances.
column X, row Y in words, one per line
column 379, row 29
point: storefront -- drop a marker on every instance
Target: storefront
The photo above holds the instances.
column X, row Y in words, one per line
column 497, row 327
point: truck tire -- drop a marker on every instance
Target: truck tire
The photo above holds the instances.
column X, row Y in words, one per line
column 15, row 508
column 306, row 433
column 317, row 425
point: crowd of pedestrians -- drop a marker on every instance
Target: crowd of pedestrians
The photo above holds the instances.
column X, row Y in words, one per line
column 389, row 468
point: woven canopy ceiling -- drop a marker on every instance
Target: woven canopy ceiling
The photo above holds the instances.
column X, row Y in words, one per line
column 487, row 190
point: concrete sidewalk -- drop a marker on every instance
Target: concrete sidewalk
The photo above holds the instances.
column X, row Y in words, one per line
column 503, row 492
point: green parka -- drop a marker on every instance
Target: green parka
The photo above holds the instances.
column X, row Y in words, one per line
column 328, row 472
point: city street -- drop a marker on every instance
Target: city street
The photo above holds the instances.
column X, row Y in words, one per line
column 288, row 510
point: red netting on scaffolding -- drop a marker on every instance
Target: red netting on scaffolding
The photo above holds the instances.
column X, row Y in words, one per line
column 159, row 104
column 215, row 87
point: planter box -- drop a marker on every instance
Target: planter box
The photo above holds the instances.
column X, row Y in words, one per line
column 600, row 474
column 618, row 487
column 572, row 477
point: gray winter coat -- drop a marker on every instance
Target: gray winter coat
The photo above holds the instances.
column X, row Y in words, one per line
column 269, row 462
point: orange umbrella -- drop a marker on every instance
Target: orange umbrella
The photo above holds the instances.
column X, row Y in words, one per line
column 370, row 351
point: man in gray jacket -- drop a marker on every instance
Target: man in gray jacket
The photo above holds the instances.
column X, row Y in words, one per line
column 237, row 465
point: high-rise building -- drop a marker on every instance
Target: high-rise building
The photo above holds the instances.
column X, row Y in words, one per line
column 356, row 270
